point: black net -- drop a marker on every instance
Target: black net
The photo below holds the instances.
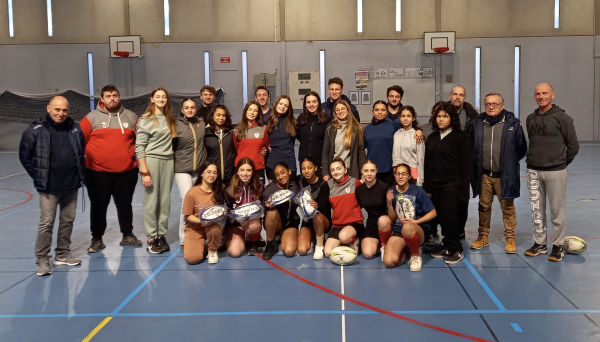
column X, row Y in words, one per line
column 25, row 108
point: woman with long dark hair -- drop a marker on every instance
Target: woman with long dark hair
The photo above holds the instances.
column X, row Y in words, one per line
column 206, row 192
column 344, row 139
column 219, row 141
column 282, row 127
column 312, row 124
column 447, row 177
column 406, row 150
column 244, row 188
column 154, row 149
column 250, row 136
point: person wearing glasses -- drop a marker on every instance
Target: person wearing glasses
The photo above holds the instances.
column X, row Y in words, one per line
column 498, row 145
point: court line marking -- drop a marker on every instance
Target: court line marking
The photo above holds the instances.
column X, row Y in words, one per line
column 16, row 205
column 16, row 174
column 516, row 327
column 96, row 329
column 370, row 307
column 485, row 286
column 343, row 306
column 16, row 211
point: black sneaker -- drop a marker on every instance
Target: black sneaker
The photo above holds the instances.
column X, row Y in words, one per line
column 269, row 250
column 557, row 253
column 536, row 250
column 440, row 253
column 162, row 243
column 130, row 240
column 253, row 250
column 96, row 246
column 455, row 257
column 153, row 247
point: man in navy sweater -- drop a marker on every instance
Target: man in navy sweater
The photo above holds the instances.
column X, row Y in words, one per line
column 336, row 92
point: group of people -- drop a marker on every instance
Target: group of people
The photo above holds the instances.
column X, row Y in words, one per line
column 407, row 178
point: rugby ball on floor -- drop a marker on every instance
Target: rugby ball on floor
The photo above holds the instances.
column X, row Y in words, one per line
column 249, row 211
column 213, row 213
column 281, row 196
column 342, row 255
column 574, row 245
column 304, row 199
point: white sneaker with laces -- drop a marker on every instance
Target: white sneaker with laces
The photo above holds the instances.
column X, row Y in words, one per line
column 213, row 258
column 382, row 250
column 416, row 263
column 318, row 254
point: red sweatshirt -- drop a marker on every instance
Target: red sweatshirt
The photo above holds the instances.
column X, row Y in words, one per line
column 343, row 201
column 109, row 140
column 257, row 138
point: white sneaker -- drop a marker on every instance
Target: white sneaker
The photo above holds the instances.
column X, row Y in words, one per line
column 382, row 250
column 415, row 263
column 213, row 258
column 318, row 254
column 354, row 246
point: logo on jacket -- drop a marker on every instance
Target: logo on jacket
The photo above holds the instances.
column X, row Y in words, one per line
column 104, row 124
column 256, row 135
column 347, row 189
column 38, row 126
column 126, row 124
column 537, row 128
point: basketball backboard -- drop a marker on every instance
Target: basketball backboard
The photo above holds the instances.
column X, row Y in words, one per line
column 432, row 40
column 130, row 44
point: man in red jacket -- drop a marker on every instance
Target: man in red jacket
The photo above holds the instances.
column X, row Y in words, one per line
column 111, row 166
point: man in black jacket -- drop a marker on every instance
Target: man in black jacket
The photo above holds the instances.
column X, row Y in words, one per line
column 52, row 153
column 207, row 95
column 498, row 144
column 336, row 92
column 552, row 146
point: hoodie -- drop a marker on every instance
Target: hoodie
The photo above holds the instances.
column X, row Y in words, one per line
column 109, row 139
column 328, row 107
column 407, row 151
column 344, row 204
column 552, row 140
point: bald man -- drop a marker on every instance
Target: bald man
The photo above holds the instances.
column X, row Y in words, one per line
column 52, row 153
column 552, row 146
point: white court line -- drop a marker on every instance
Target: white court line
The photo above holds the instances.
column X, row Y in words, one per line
column 343, row 307
column 16, row 174
column 9, row 152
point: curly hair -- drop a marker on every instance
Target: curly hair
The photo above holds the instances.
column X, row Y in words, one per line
column 452, row 111
column 217, row 186
column 211, row 117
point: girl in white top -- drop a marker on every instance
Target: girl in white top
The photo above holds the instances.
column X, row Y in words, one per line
column 406, row 150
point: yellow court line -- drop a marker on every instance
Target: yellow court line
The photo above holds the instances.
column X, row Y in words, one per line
column 91, row 335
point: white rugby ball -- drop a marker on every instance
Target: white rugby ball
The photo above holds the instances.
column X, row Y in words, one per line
column 213, row 213
column 281, row 196
column 248, row 211
column 574, row 245
column 304, row 199
column 342, row 255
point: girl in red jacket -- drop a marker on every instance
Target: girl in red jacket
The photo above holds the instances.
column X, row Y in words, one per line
column 250, row 137
column 347, row 217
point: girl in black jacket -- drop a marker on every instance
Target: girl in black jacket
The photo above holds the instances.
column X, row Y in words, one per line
column 447, row 176
column 312, row 124
column 219, row 141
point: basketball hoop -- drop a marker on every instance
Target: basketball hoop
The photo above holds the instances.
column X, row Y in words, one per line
column 123, row 54
column 437, row 49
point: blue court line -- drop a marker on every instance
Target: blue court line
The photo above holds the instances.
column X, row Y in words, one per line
column 484, row 285
column 16, row 211
column 516, row 327
column 519, row 200
column 139, row 288
column 326, row 312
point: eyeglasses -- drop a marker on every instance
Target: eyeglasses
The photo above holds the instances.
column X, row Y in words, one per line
column 208, row 173
column 401, row 174
column 492, row 105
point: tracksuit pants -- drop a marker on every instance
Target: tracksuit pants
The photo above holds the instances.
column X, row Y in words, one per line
column 552, row 184
column 157, row 197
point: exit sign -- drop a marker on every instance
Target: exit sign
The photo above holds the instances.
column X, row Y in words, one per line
column 225, row 59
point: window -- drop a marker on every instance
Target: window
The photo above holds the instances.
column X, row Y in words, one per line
column 359, row 15
column 206, row 68
column 49, row 14
column 398, row 15
column 11, row 28
column 478, row 78
column 556, row 13
column 517, row 79
column 167, row 28
column 91, row 78
column 245, row 75
column 322, row 72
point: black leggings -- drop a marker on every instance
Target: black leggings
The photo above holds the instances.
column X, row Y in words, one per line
column 446, row 202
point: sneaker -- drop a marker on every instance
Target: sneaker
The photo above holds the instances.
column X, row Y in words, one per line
column 96, row 246
column 455, row 257
column 213, row 258
column 557, row 253
column 44, row 268
column 416, row 263
column 510, row 247
column 382, row 250
column 163, row 244
column 269, row 250
column 68, row 260
column 130, row 240
column 536, row 250
column 253, row 250
column 354, row 246
column 441, row 253
column 482, row 241
column 431, row 241
column 318, row 254
column 153, row 247
column 181, row 247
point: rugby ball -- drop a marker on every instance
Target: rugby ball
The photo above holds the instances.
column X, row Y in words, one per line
column 304, row 199
column 249, row 211
column 281, row 196
column 342, row 255
column 213, row 213
column 574, row 245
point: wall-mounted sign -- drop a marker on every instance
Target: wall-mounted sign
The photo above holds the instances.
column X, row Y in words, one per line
column 225, row 59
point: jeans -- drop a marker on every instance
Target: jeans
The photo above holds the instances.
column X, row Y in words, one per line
column 48, row 205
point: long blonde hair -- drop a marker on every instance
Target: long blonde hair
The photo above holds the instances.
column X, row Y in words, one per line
column 168, row 112
column 353, row 127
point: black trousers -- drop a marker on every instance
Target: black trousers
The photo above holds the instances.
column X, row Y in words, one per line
column 446, row 201
column 102, row 186
column 462, row 215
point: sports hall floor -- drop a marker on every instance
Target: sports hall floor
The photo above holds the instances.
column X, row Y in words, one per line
column 124, row 294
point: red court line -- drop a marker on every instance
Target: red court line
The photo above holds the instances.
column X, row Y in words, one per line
column 381, row 311
column 16, row 205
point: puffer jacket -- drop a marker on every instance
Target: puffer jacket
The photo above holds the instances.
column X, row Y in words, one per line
column 184, row 145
